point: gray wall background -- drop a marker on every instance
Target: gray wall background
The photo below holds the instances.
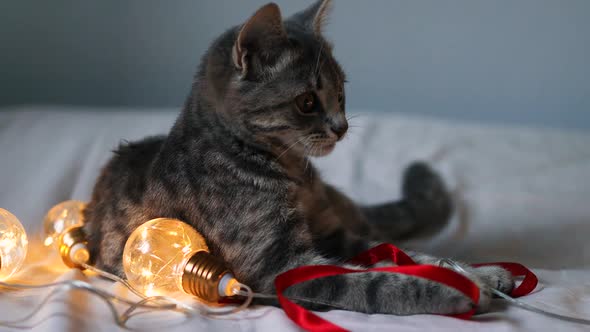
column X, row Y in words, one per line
column 509, row 61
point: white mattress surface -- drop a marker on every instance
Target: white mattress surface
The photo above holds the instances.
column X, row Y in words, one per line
column 523, row 195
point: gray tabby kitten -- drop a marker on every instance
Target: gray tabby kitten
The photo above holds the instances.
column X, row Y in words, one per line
column 268, row 95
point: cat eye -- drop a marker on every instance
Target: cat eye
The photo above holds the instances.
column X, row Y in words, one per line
column 306, row 102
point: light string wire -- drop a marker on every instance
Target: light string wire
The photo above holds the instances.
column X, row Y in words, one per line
column 162, row 303
column 108, row 299
column 148, row 304
column 240, row 290
column 296, row 298
column 111, row 277
column 458, row 268
column 243, row 289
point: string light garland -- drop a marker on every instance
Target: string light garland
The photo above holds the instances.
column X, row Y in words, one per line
column 13, row 249
column 206, row 277
column 67, row 219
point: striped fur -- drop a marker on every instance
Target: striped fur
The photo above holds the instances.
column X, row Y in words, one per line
column 235, row 166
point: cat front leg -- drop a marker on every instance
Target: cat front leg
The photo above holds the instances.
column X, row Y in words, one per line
column 370, row 292
column 374, row 292
column 384, row 293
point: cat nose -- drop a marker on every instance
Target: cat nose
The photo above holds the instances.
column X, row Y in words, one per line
column 339, row 128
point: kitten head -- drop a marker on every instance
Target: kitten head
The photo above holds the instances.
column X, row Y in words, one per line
column 276, row 82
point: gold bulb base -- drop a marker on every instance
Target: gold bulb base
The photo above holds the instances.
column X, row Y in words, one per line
column 68, row 240
column 202, row 274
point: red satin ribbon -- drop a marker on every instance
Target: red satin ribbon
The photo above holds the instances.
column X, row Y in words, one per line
column 312, row 322
column 527, row 285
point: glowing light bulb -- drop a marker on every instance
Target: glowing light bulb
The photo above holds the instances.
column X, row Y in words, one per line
column 61, row 217
column 167, row 256
column 63, row 230
column 13, row 244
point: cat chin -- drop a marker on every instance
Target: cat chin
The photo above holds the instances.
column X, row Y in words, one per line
column 321, row 150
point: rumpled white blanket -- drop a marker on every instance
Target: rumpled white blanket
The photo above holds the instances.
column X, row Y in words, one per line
column 523, row 195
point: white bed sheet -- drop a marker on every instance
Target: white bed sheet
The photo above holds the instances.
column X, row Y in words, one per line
column 523, row 195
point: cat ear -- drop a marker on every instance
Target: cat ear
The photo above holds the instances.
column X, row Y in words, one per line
column 315, row 16
column 259, row 39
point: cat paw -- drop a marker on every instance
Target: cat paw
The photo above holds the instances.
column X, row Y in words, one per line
column 485, row 296
column 487, row 277
column 496, row 277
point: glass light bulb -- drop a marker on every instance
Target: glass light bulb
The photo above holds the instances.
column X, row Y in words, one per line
column 61, row 217
column 13, row 244
column 157, row 252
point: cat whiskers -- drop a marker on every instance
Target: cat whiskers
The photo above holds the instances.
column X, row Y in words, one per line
column 310, row 151
column 350, row 118
column 292, row 146
column 354, row 116
column 307, row 157
column 351, row 129
column 351, row 126
column 316, row 147
column 307, row 162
